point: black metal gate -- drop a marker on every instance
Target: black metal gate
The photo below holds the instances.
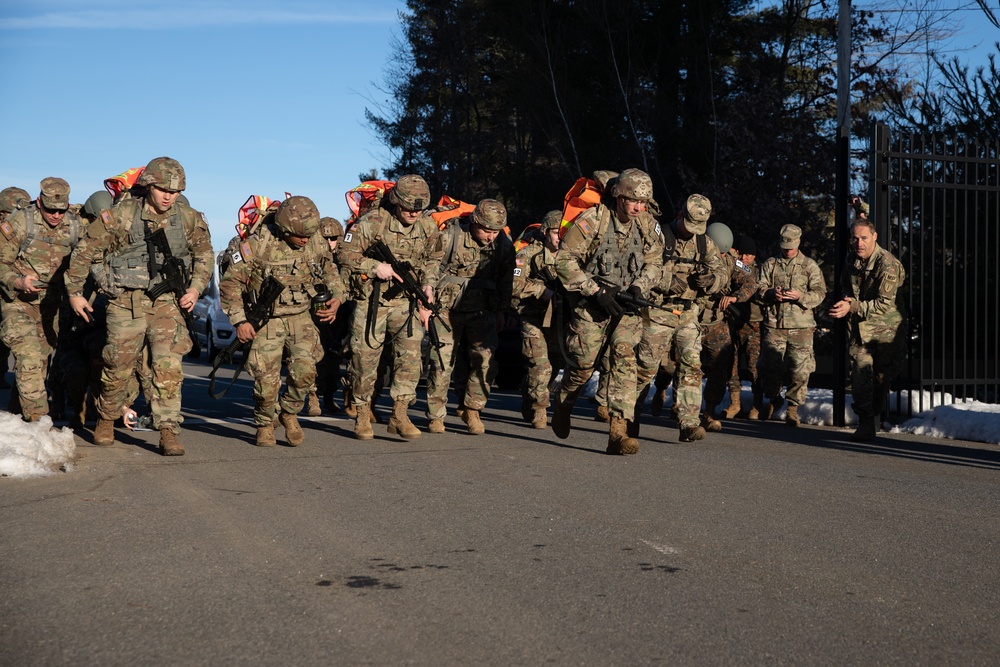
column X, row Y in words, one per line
column 934, row 199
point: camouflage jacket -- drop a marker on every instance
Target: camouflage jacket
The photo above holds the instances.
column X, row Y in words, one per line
column 534, row 272
column 742, row 284
column 47, row 254
column 684, row 260
column 109, row 236
column 799, row 273
column 408, row 243
column 469, row 277
column 578, row 263
column 266, row 254
column 877, row 309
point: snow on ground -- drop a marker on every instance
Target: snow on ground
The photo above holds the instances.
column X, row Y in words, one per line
column 33, row 450
column 36, row 449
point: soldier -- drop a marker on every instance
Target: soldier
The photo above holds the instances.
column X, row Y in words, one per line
column 692, row 269
column 384, row 314
column 332, row 336
column 35, row 245
column 871, row 281
column 129, row 268
column 536, row 288
column 790, row 287
column 716, row 315
column 289, row 250
column 473, row 273
column 612, row 247
column 11, row 199
column 745, row 332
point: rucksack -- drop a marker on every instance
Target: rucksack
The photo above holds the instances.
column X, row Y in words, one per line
column 585, row 193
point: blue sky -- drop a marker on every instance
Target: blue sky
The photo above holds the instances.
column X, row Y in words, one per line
column 252, row 97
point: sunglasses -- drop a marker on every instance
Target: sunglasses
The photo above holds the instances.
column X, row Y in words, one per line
column 53, row 211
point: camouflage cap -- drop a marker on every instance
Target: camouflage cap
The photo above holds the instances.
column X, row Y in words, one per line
column 12, row 198
column 165, row 173
column 552, row 220
column 490, row 214
column 97, row 202
column 721, row 234
column 697, row 211
column 791, row 235
column 55, row 194
column 411, row 192
column 634, row 184
column 330, row 228
column 298, row 216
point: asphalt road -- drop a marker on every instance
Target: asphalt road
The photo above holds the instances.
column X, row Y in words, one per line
column 760, row 545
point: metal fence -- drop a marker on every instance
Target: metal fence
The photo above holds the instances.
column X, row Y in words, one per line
column 934, row 200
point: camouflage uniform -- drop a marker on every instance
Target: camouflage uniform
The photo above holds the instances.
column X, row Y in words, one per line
column 625, row 255
column 289, row 333
column 877, row 327
column 473, row 285
column 30, row 246
column 787, row 341
column 11, row 199
column 395, row 323
column 534, row 277
column 746, row 340
column 676, row 333
column 716, row 342
column 115, row 243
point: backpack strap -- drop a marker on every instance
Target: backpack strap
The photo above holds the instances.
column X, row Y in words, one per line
column 30, row 229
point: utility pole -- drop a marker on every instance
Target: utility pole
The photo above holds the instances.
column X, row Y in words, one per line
column 842, row 190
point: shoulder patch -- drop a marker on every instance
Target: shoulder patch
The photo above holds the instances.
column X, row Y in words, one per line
column 244, row 251
column 519, row 261
column 7, row 230
column 743, row 266
column 582, row 224
column 106, row 218
column 348, row 237
column 659, row 232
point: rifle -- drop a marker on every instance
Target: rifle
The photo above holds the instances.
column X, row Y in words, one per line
column 630, row 301
column 410, row 286
column 175, row 274
column 257, row 308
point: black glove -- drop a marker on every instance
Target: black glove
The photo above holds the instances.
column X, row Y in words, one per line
column 702, row 280
column 677, row 285
column 605, row 298
column 636, row 293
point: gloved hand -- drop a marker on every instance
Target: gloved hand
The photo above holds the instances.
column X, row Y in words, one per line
column 677, row 285
column 605, row 298
column 636, row 293
column 702, row 280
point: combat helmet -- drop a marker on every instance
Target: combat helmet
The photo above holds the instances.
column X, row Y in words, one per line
column 97, row 202
column 12, row 198
column 490, row 214
column 165, row 173
column 721, row 234
column 634, row 184
column 330, row 228
column 552, row 220
column 411, row 192
column 298, row 216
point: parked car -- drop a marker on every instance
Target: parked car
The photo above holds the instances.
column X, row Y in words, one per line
column 210, row 327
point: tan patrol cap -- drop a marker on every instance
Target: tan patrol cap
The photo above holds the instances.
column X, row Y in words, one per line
column 697, row 211
column 790, row 237
column 55, row 194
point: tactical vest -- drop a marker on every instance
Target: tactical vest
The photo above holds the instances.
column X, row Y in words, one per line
column 620, row 267
column 32, row 226
column 486, row 284
column 299, row 270
column 130, row 266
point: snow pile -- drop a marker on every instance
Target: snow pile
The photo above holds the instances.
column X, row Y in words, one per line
column 35, row 449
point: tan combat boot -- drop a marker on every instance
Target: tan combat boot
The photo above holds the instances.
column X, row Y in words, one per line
column 293, row 432
column 435, row 426
column 618, row 441
column 734, row 404
column 265, row 435
column 602, row 414
column 691, row 433
column 758, row 405
column 399, row 422
column 772, row 407
column 349, row 408
column 792, row 415
column 313, row 407
column 709, row 421
column 363, row 423
column 169, row 445
column 540, row 418
column 104, row 432
column 471, row 418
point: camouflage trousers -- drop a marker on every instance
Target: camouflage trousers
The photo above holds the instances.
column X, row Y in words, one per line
column 394, row 325
column 475, row 335
column 297, row 336
column 539, row 347
column 134, row 320
column 31, row 330
column 746, row 341
column 716, row 360
column 679, row 338
column 583, row 344
column 873, row 366
column 786, row 352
